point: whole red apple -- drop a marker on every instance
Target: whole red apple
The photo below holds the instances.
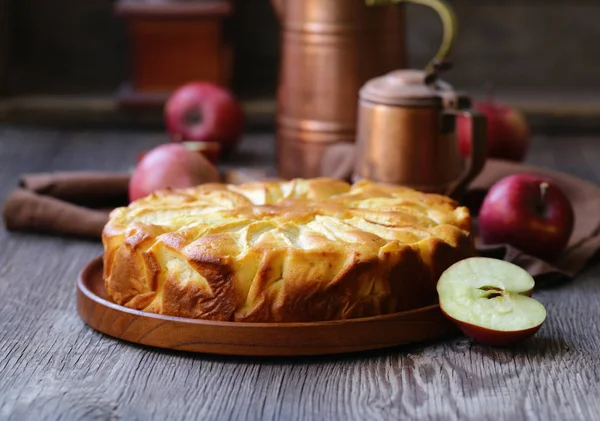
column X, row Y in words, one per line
column 508, row 134
column 528, row 212
column 204, row 112
column 170, row 166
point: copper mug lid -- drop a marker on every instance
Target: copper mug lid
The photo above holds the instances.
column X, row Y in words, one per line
column 408, row 88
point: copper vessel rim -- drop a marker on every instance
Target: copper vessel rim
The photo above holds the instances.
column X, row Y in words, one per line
column 406, row 103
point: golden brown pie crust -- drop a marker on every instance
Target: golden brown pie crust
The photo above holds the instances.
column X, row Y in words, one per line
column 294, row 251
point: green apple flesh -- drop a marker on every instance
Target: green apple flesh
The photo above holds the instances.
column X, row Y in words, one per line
column 490, row 300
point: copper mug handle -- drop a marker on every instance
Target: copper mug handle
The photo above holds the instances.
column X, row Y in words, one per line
column 448, row 18
column 476, row 161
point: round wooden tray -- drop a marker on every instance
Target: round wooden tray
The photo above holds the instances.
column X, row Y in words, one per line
column 252, row 339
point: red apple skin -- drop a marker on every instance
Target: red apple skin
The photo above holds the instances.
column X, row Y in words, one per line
column 170, row 166
column 204, row 112
column 513, row 212
column 492, row 337
column 508, row 134
column 210, row 150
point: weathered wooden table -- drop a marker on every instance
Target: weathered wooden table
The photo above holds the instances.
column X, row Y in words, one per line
column 53, row 366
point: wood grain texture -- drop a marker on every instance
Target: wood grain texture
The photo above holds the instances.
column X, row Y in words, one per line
column 54, row 367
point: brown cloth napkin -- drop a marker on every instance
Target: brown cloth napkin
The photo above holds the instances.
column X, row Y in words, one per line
column 338, row 162
column 27, row 211
column 65, row 203
column 90, row 189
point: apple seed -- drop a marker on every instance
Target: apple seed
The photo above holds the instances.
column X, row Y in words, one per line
column 492, row 291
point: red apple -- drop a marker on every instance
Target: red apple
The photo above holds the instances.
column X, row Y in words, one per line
column 204, row 112
column 528, row 212
column 170, row 166
column 508, row 134
column 490, row 300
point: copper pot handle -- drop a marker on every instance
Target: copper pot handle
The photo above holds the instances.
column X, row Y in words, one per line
column 448, row 17
column 476, row 162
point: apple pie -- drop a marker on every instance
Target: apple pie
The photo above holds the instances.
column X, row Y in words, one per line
column 283, row 251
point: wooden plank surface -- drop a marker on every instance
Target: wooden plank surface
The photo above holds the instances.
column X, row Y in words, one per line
column 54, row 367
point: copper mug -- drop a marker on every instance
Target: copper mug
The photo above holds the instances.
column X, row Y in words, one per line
column 407, row 134
column 330, row 48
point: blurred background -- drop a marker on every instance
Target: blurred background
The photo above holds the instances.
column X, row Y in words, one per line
column 74, row 62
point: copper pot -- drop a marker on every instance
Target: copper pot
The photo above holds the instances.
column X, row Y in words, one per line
column 330, row 48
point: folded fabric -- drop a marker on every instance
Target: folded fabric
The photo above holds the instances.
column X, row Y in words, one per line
column 73, row 203
column 90, row 189
column 338, row 161
column 28, row 211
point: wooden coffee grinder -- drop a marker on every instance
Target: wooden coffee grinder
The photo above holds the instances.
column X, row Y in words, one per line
column 173, row 42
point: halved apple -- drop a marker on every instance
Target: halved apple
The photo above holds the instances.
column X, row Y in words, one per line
column 490, row 300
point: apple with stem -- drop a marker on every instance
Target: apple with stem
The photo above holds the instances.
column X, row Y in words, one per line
column 490, row 300
column 204, row 112
column 529, row 212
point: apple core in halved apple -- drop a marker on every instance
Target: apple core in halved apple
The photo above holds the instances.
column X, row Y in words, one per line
column 490, row 300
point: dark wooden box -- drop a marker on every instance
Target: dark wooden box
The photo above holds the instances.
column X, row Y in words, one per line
column 173, row 42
